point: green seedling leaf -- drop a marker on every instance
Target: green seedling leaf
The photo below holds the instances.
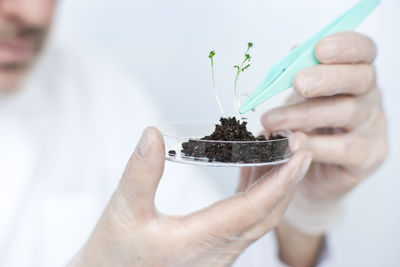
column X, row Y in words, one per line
column 212, row 54
column 246, row 67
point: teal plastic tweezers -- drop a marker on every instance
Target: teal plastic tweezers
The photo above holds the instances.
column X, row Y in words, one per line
column 280, row 76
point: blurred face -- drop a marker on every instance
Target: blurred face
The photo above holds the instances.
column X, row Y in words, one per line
column 24, row 25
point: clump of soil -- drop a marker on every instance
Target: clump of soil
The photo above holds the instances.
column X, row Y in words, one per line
column 231, row 129
column 172, row 153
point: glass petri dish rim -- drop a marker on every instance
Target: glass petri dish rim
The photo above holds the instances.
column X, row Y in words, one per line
column 206, row 163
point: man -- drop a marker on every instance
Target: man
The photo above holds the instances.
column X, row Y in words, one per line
column 65, row 137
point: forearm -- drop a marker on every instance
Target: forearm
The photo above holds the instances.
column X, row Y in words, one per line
column 297, row 249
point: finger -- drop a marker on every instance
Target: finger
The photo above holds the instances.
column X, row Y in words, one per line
column 328, row 80
column 243, row 179
column 339, row 150
column 333, row 112
column 355, row 150
column 335, row 144
column 257, row 173
column 236, row 214
column 297, row 141
column 345, row 47
column 142, row 174
column 272, row 220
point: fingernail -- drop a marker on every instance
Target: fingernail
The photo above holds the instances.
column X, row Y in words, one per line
column 304, row 167
column 296, row 142
column 328, row 48
column 274, row 117
column 309, row 82
column 144, row 145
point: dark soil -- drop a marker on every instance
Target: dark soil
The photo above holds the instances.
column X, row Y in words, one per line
column 231, row 129
column 172, row 153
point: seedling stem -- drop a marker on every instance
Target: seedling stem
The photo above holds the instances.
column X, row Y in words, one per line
column 211, row 56
column 240, row 69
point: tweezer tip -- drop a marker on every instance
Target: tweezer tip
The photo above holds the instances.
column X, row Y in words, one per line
column 244, row 110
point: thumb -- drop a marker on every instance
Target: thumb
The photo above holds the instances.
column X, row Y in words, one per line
column 138, row 185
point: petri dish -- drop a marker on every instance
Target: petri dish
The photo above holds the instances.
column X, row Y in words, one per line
column 183, row 144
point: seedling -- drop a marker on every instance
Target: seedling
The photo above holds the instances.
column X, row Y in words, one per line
column 240, row 69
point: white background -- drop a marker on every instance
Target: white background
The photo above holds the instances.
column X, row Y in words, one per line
column 166, row 43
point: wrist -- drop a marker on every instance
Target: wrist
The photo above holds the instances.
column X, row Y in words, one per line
column 298, row 248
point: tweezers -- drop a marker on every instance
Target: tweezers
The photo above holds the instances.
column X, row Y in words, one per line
column 280, row 77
